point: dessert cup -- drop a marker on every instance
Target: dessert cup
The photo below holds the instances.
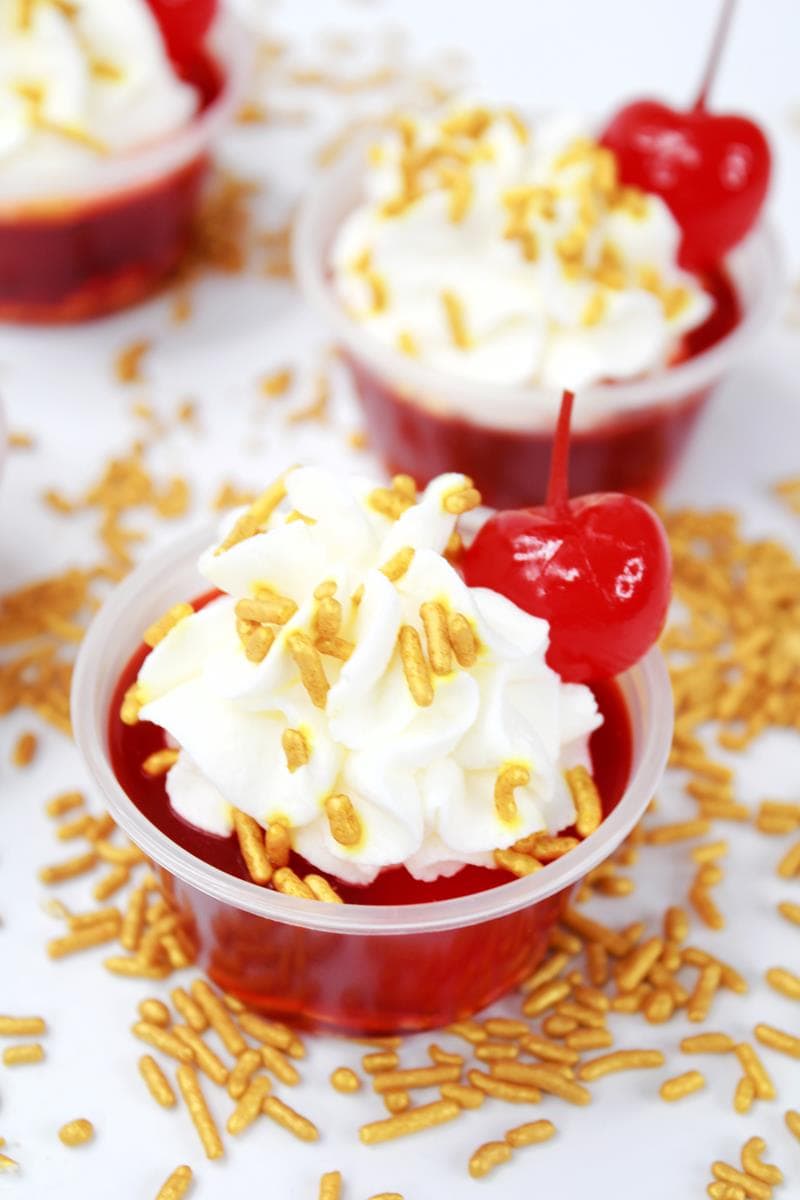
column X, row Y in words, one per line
column 627, row 436
column 112, row 233
column 356, row 968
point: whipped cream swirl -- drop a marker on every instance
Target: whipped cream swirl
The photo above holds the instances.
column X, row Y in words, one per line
column 376, row 712
column 78, row 81
column 508, row 253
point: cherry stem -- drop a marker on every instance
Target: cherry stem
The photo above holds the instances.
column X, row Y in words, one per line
column 558, row 485
column 715, row 54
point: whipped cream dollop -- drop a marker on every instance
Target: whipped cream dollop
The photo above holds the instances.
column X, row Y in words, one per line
column 79, row 81
column 349, row 684
column 508, row 253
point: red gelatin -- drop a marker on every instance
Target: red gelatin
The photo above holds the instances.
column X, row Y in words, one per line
column 635, row 452
column 367, row 983
column 75, row 258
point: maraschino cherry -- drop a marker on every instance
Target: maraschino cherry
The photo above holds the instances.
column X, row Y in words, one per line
column 184, row 24
column 711, row 169
column 596, row 567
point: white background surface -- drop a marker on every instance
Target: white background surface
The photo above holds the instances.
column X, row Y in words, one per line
column 60, row 387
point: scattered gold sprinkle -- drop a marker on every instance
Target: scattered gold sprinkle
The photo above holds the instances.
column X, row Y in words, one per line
column 178, row 1184
column 76, row 1133
column 24, row 751
column 343, row 1079
column 414, row 1120
column 157, row 1083
column 23, row 1054
column 199, row 1111
column 129, row 361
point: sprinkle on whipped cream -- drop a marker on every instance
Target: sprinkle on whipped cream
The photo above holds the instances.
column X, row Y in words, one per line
column 509, row 253
column 81, row 79
column 348, row 686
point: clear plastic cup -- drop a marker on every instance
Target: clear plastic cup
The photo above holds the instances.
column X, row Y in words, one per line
column 627, row 436
column 355, row 968
column 111, row 234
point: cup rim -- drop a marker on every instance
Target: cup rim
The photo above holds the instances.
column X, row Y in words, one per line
column 231, row 50
column 761, row 248
column 649, row 676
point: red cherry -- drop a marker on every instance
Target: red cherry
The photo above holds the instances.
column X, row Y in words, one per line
column 597, row 568
column 184, row 24
column 712, row 170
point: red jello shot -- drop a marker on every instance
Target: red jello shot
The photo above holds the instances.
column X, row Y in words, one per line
column 628, row 436
column 386, row 966
column 112, row 234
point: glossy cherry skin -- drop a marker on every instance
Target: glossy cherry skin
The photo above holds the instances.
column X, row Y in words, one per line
column 712, row 170
column 598, row 569
column 184, row 24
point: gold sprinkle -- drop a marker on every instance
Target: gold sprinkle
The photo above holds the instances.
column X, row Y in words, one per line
column 515, row 862
column 751, row 1155
column 198, row 1110
column 71, row 868
column 708, row 1043
column 178, row 1184
column 343, row 1079
column 64, row 803
column 330, row 1186
column 588, row 805
column 132, row 703
column 434, row 620
column 290, row 1120
column 312, row 672
column 510, row 778
column 462, row 639
column 456, row 320
column 755, row 1069
column 321, row 889
column 130, row 360
column 249, row 1106
column 395, row 568
column 246, row 1066
column 594, row 309
column 620, row 1060
column 83, row 939
column 487, row 1157
column 157, row 1083
column 159, row 762
column 277, row 383
column 218, row 1017
column 22, row 1026
column 290, row 884
column 343, row 819
column 251, row 844
column 414, row 1120
column 77, row 1132
column 744, row 1095
column 156, row 632
column 24, row 751
column 682, row 1085
column 407, row 344
column 462, row 500
column 268, row 608
column 415, row 666
column 777, row 1039
column 23, row 1055
column 256, row 517
column 751, row 1187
